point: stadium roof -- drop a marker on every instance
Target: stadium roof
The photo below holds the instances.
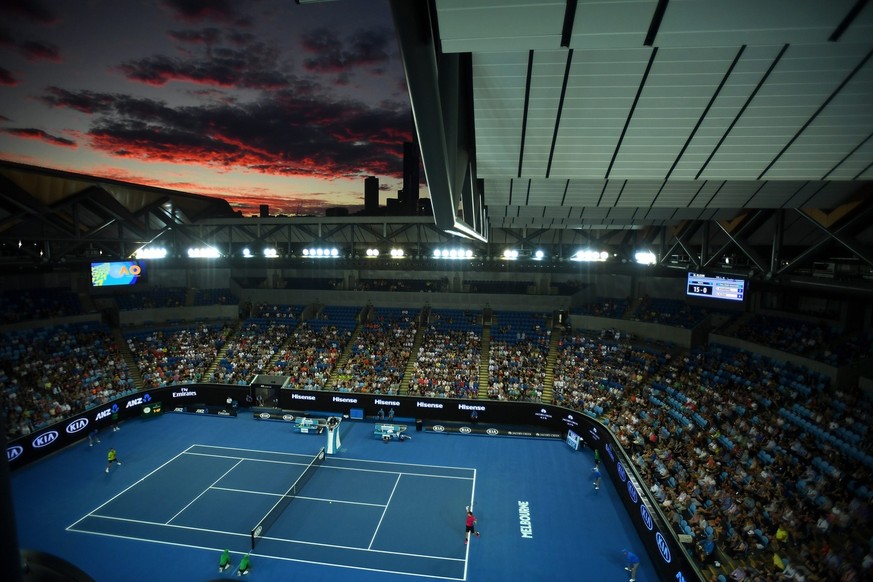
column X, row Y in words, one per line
column 630, row 113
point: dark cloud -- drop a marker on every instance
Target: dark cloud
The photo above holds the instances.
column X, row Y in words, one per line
column 38, row 134
column 257, row 66
column 365, row 48
column 6, row 38
column 4, row 119
column 284, row 133
column 224, row 11
column 7, row 78
column 202, row 36
column 29, row 9
column 35, row 50
column 84, row 101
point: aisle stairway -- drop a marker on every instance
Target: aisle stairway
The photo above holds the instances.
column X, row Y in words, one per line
column 231, row 333
column 129, row 359
column 484, row 361
column 423, row 321
column 551, row 360
column 344, row 357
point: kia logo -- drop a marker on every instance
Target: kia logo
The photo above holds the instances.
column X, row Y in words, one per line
column 663, row 547
column 77, row 425
column 45, row 439
column 288, row 417
column 621, row 472
column 647, row 517
column 493, row 431
column 465, row 430
column 438, row 428
column 14, row 452
column 265, row 415
column 632, row 491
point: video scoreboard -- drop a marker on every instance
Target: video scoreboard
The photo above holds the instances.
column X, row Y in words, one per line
column 716, row 287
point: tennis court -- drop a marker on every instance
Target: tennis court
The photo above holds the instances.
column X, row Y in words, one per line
column 350, row 513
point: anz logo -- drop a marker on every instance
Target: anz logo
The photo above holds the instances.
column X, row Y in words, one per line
column 465, row 430
column 621, row 472
column 663, row 547
column 45, row 439
column 647, row 517
column 77, row 425
column 14, row 452
column 137, row 401
column 632, row 491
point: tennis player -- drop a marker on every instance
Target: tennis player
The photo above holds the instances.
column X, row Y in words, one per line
column 595, row 473
column 112, row 457
column 471, row 525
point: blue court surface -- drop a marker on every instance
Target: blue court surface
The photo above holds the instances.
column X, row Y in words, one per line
column 190, row 486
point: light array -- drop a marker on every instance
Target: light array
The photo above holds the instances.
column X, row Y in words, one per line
column 151, row 253
column 452, row 254
column 319, row 253
column 590, row 256
column 203, row 253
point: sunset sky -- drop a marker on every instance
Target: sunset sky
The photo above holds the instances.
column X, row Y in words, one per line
column 262, row 101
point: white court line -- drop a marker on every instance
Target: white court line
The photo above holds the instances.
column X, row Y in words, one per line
column 202, row 493
column 256, row 451
column 251, row 459
column 337, row 468
column 248, row 535
column 270, row 557
column 161, row 524
column 299, row 497
column 143, row 478
column 395, row 472
column 378, row 525
column 467, row 553
column 340, row 459
column 357, row 549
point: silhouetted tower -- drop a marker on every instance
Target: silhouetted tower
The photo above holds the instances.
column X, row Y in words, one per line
column 409, row 194
column 371, row 194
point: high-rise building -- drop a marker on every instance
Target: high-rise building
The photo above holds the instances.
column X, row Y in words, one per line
column 409, row 194
column 371, row 194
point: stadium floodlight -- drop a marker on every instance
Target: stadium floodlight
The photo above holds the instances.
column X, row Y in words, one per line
column 305, row 252
column 510, row 254
column 372, row 252
column 271, row 253
column 246, row 252
column 437, row 253
column 589, row 256
column 150, row 253
column 645, row 257
column 397, row 253
column 334, row 252
column 539, row 255
column 203, row 253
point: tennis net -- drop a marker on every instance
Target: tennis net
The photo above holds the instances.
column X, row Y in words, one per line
column 280, row 506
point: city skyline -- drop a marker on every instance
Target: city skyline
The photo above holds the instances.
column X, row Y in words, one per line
column 264, row 103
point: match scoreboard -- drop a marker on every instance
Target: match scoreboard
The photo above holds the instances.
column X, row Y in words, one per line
column 715, row 287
